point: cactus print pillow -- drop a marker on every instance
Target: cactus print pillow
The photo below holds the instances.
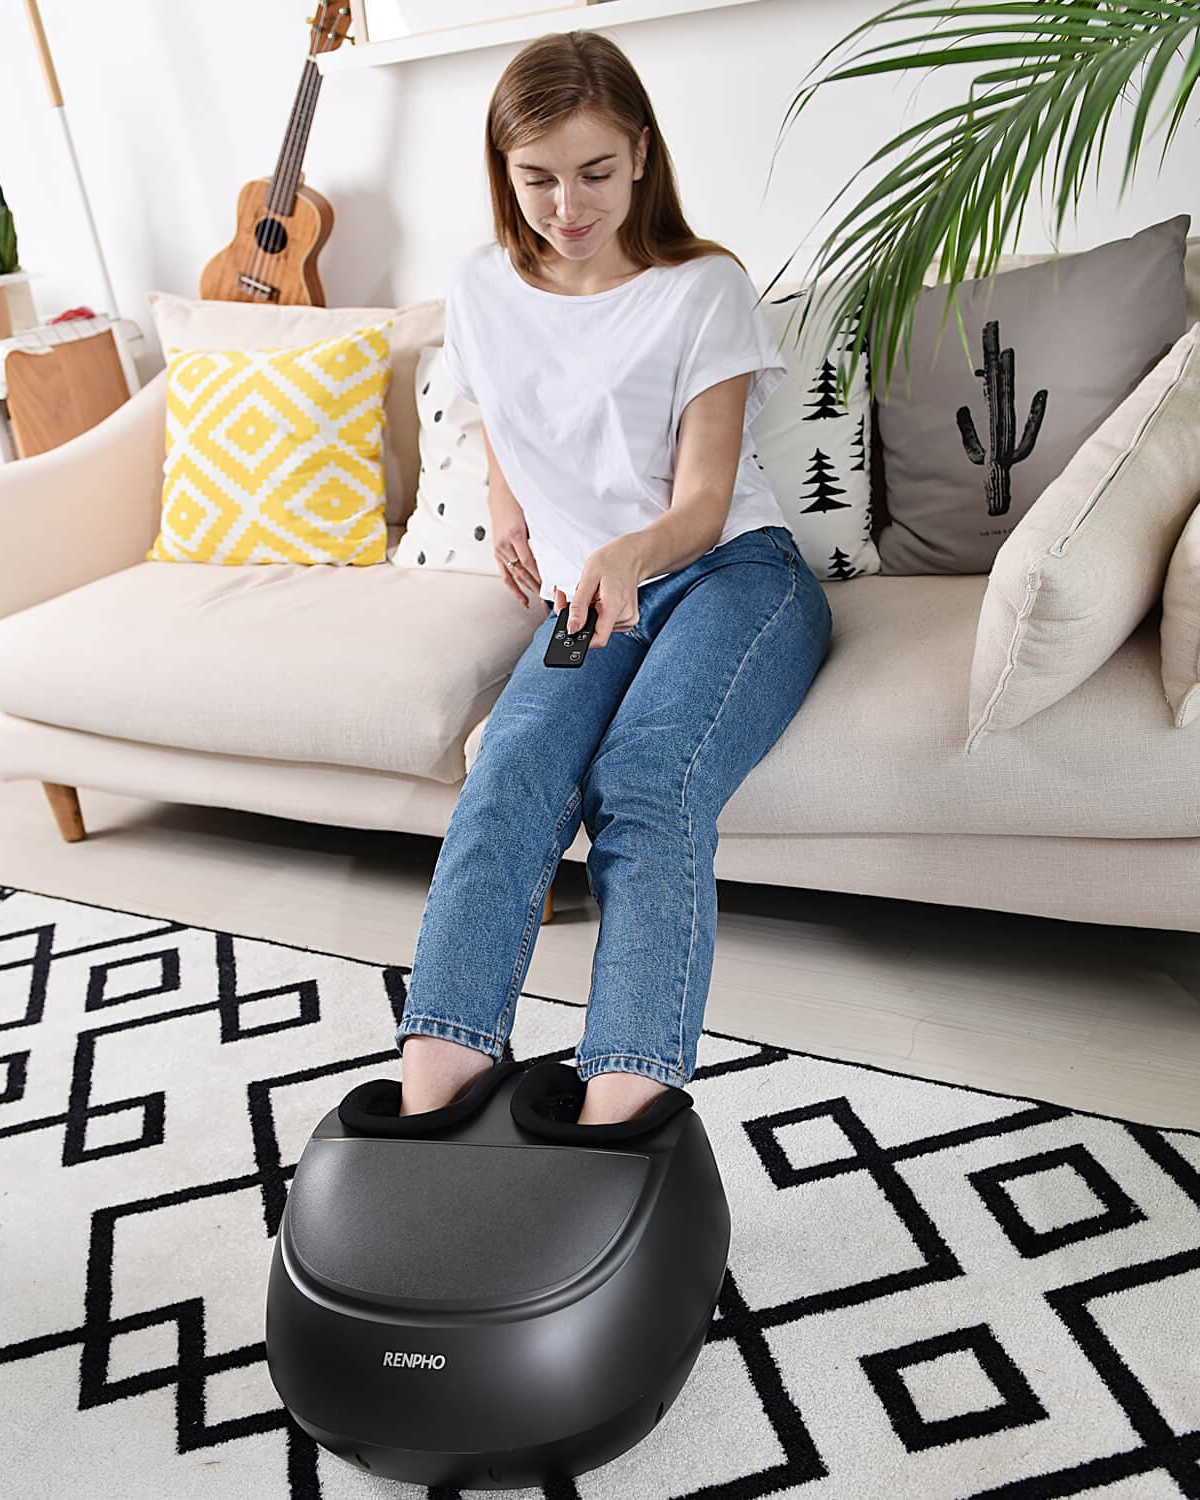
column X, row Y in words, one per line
column 968, row 445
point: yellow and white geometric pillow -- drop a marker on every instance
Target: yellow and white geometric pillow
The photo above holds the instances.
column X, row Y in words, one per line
column 275, row 455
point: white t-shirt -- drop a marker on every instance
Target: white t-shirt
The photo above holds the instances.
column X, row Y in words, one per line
column 582, row 396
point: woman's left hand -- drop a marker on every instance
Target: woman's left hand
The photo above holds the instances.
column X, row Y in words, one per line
column 609, row 580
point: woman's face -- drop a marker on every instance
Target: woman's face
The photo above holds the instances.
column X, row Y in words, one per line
column 580, row 173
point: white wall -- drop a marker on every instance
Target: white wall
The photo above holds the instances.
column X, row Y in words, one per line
column 173, row 104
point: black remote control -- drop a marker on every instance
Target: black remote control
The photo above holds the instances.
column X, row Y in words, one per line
column 567, row 650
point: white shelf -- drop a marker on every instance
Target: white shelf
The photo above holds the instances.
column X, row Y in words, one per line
column 509, row 29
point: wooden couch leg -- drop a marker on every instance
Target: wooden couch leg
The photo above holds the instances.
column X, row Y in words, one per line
column 548, row 908
column 64, row 802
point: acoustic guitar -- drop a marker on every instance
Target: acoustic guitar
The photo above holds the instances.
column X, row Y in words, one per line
column 281, row 224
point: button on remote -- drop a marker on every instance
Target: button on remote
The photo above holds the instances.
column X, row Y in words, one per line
column 566, row 649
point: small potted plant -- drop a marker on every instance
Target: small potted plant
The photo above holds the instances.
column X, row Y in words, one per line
column 16, row 302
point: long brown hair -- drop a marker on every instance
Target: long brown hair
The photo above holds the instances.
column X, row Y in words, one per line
column 566, row 73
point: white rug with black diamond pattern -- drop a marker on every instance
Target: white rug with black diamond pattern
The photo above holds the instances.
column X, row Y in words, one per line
column 932, row 1292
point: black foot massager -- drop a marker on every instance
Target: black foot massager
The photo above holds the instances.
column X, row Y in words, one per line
column 489, row 1295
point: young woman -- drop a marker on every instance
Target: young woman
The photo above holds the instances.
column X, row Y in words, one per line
column 617, row 361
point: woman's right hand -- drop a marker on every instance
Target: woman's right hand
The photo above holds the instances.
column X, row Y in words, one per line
column 510, row 538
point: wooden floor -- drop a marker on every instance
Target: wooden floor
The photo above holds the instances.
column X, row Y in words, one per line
column 1096, row 1017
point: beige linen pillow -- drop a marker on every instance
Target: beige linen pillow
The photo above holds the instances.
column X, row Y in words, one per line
column 1087, row 561
column 1179, row 632
column 208, row 323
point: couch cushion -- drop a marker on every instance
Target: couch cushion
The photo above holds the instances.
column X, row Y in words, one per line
column 340, row 666
column 877, row 746
column 353, row 667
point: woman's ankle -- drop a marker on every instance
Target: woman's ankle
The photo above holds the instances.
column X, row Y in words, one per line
column 437, row 1072
column 613, row 1098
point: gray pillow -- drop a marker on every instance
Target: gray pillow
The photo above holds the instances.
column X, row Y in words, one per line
column 1073, row 336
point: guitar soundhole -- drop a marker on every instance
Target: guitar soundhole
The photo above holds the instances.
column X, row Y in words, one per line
column 270, row 235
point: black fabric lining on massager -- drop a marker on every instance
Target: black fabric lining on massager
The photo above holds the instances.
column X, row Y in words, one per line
column 547, row 1102
column 373, row 1108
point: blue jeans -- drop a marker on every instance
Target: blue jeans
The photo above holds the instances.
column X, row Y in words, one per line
column 644, row 743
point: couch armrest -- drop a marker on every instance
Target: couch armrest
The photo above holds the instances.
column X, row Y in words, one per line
column 87, row 508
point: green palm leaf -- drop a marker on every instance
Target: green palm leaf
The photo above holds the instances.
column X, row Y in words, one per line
column 957, row 190
column 8, row 238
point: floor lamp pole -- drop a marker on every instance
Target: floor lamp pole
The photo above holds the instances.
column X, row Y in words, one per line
column 56, row 103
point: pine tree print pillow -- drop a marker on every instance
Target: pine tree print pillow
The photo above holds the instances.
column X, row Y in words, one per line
column 816, row 449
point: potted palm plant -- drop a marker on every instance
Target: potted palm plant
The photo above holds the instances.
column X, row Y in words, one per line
column 16, row 302
column 966, row 172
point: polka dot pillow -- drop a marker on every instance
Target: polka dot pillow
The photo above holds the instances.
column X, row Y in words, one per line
column 450, row 528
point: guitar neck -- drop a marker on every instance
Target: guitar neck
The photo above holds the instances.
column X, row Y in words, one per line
column 282, row 194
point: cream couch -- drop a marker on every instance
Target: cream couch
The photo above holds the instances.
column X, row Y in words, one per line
column 331, row 695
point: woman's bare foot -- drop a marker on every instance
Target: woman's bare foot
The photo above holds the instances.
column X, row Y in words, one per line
column 612, row 1098
column 438, row 1072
